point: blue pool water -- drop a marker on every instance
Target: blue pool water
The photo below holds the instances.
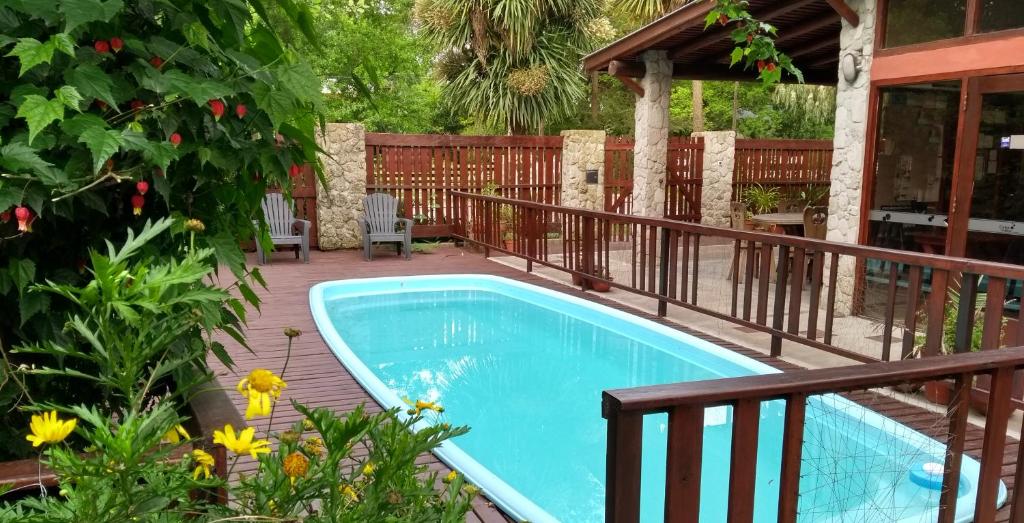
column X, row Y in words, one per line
column 524, row 367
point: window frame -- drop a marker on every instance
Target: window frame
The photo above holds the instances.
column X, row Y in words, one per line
column 970, row 33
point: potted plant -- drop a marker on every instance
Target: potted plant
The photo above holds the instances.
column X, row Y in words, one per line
column 814, row 195
column 761, row 199
column 603, row 284
column 508, row 239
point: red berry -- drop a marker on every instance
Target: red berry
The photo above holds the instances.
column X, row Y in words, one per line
column 156, row 61
column 294, row 170
column 116, row 44
column 137, row 105
column 142, row 186
column 102, row 46
column 760, row 65
column 722, row 19
column 175, row 139
column 217, row 108
column 241, row 110
column 23, row 214
column 770, row 67
column 750, row 38
column 5, row 216
column 138, row 201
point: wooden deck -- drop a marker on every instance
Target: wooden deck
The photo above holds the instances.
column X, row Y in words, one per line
column 316, row 378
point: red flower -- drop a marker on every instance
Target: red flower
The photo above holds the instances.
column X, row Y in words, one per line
column 138, row 201
column 102, row 46
column 294, row 171
column 217, row 108
column 760, row 65
column 240, row 110
column 750, row 38
column 5, row 216
column 770, row 67
column 156, row 61
column 142, row 186
column 137, row 105
column 23, row 214
column 116, row 44
column 175, row 139
column 722, row 19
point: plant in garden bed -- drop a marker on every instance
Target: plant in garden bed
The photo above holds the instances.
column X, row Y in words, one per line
column 761, row 199
column 118, row 112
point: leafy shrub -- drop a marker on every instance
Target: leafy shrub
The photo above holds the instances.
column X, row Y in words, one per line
column 114, row 112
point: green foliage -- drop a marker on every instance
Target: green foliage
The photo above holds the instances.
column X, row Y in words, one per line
column 761, row 199
column 754, row 41
column 512, row 64
column 92, row 93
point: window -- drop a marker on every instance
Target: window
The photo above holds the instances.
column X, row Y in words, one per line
column 997, row 15
column 916, row 21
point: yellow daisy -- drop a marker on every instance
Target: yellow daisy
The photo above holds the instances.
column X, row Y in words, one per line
column 204, row 462
column 175, row 435
column 261, row 387
column 242, row 443
column 48, row 428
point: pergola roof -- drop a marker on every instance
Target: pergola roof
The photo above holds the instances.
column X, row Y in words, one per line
column 808, row 31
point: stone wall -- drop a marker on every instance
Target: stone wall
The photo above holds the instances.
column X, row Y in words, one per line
column 651, row 149
column 716, row 183
column 341, row 203
column 849, row 144
column 582, row 150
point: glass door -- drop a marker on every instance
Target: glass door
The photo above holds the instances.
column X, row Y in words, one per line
column 992, row 228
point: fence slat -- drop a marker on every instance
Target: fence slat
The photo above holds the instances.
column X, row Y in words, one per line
column 746, row 416
column 792, row 445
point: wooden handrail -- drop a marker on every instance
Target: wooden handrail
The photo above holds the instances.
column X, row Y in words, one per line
column 710, row 393
column 1001, row 270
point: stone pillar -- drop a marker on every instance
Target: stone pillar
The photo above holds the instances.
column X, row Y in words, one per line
column 341, row 202
column 716, row 181
column 848, row 147
column 582, row 151
column 651, row 150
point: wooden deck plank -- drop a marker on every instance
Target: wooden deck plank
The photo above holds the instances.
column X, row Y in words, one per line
column 316, row 378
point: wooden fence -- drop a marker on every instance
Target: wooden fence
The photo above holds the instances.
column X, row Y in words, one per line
column 790, row 165
column 685, row 166
column 421, row 170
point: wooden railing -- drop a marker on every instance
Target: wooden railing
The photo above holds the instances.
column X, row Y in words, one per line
column 789, row 165
column 685, row 404
column 421, row 169
column 736, row 276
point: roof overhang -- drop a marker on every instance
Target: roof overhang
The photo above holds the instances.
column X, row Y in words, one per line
column 808, row 31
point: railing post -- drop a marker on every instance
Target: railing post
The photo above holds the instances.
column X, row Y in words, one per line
column 683, row 464
column 623, row 465
column 780, row 299
column 746, row 417
column 663, row 272
column 792, row 447
column 993, row 444
column 956, row 412
column 588, row 245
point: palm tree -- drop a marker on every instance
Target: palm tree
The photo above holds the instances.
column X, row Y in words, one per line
column 513, row 63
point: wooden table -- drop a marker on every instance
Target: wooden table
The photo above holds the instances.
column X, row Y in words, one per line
column 791, row 222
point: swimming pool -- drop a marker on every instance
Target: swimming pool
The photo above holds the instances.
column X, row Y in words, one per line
column 524, row 367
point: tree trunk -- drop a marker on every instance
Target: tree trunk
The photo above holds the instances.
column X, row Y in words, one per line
column 698, row 106
column 735, row 105
column 593, row 98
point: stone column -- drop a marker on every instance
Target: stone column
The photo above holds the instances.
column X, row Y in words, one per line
column 651, row 149
column 341, row 202
column 582, row 151
column 848, row 147
column 716, row 181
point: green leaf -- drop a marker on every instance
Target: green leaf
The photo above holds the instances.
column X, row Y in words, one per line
column 158, row 153
column 737, row 55
column 39, row 113
column 279, row 105
column 69, row 97
column 78, row 12
column 300, row 80
column 32, row 52
column 19, row 158
column 92, row 82
column 64, row 43
column 225, row 247
column 218, row 350
column 78, row 124
column 103, row 143
column 22, row 272
column 199, row 91
column 31, row 304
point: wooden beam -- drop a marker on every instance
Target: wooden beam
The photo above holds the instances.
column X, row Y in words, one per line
column 824, row 61
column 788, row 35
column 845, row 11
column 812, row 49
column 629, row 69
column 716, row 35
column 648, row 36
column 631, row 84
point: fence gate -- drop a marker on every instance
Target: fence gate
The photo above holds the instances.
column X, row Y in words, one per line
column 421, row 169
column 685, row 168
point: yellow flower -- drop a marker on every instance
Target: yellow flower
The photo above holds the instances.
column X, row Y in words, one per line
column 450, row 477
column 261, row 387
column 349, row 492
column 314, row 445
column 243, row 443
column 307, row 424
column 420, row 406
column 204, row 461
column 295, row 465
column 368, row 468
column 175, row 434
column 49, row 429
